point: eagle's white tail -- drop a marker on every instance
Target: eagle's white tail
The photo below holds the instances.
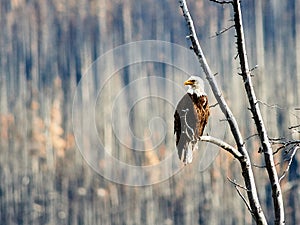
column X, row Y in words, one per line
column 189, row 152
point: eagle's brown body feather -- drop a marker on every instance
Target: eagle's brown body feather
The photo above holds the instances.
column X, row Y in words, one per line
column 191, row 116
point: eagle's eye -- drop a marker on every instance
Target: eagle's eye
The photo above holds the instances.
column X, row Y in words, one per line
column 193, row 81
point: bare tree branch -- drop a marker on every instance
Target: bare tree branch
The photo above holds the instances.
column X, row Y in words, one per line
column 254, row 68
column 268, row 105
column 244, row 199
column 236, row 185
column 277, row 140
column 251, row 136
column 296, row 126
column 277, row 107
column 267, row 149
column 245, row 160
column 289, row 163
column 222, row 2
column 222, row 31
column 285, row 144
column 213, row 105
column 236, row 154
column 263, row 167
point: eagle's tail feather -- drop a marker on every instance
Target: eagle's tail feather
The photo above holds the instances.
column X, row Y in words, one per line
column 188, row 155
column 188, row 152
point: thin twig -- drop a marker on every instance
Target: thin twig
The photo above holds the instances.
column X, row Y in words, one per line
column 276, row 140
column 223, row 120
column 258, row 166
column 285, row 145
column 244, row 199
column 270, row 106
column 289, row 163
column 263, row 167
column 222, row 31
column 293, row 127
column 278, row 107
column 222, row 2
column 251, row 136
column 254, row 68
column 236, row 184
column 240, row 194
column 213, row 105
column 278, row 149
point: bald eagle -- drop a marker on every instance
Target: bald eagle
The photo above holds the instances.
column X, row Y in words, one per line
column 190, row 118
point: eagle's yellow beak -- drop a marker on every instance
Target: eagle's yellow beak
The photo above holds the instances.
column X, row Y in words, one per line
column 188, row 82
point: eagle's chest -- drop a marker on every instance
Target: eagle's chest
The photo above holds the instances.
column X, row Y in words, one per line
column 199, row 103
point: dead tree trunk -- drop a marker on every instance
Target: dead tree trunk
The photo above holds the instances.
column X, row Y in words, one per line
column 254, row 204
column 255, row 110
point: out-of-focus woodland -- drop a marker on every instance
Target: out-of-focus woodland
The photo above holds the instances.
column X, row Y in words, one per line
column 46, row 46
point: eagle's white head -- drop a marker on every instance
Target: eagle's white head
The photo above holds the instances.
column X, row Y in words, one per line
column 195, row 84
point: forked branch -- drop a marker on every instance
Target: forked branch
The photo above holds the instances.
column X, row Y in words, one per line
column 294, row 150
column 244, row 160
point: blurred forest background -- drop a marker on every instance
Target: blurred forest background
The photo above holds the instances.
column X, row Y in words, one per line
column 46, row 46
